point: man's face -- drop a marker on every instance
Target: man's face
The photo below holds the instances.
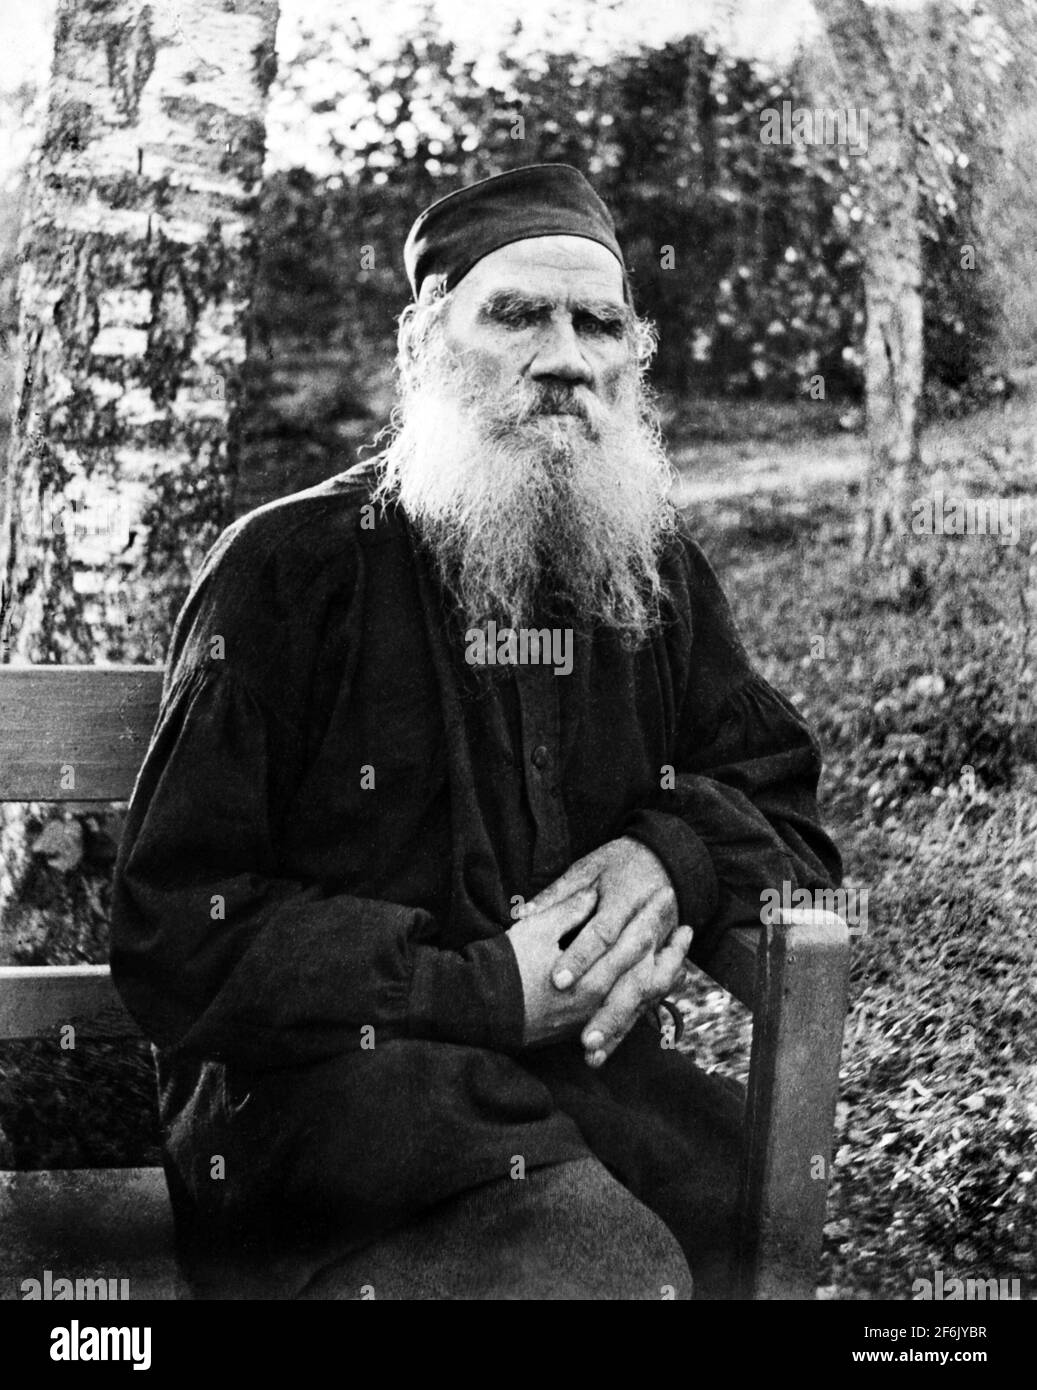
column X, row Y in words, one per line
column 548, row 313
column 524, row 447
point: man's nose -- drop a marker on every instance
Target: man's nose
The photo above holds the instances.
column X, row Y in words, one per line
column 559, row 356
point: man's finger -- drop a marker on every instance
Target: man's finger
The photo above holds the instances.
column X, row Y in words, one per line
column 573, row 910
column 617, row 1015
column 669, row 965
column 627, row 1000
column 556, row 922
column 628, row 930
column 601, row 1055
column 578, row 876
column 636, row 939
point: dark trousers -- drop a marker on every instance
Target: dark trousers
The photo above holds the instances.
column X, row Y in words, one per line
column 570, row 1231
column 647, row 1188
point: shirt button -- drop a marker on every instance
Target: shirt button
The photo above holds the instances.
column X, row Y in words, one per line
column 540, row 757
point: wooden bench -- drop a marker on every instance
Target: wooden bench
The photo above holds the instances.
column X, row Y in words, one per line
column 115, row 1223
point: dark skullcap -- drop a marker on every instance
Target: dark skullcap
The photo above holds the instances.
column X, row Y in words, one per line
column 539, row 200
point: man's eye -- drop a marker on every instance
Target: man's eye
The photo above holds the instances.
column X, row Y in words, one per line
column 590, row 323
column 517, row 318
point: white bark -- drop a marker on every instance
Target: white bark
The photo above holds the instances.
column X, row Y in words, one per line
column 892, row 254
column 134, row 294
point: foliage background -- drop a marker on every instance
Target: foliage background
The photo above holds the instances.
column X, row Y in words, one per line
column 761, row 291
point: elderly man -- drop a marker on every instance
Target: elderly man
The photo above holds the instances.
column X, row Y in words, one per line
column 459, row 752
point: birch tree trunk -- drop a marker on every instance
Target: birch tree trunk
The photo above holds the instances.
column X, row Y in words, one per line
column 135, row 291
column 892, row 255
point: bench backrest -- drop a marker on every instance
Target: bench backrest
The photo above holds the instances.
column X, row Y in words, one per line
column 75, row 735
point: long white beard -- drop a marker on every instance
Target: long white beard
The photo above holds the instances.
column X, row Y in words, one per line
column 530, row 514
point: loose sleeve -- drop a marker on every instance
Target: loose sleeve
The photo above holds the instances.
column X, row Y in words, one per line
column 741, row 814
column 219, row 954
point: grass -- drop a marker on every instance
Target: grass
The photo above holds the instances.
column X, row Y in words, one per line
column 926, row 715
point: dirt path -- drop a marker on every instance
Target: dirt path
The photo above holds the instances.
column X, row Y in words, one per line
column 716, row 471
column 713, row 471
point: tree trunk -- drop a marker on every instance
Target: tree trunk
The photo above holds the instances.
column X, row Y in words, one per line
column 892, row 254
column 135, row 291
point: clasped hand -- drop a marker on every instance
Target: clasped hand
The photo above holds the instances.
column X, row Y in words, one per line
column 628, row 954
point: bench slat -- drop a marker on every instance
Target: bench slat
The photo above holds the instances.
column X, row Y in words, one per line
column 36, row 1000
column 70, row 733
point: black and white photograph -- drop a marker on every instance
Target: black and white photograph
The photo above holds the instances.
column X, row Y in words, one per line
column 518, row 666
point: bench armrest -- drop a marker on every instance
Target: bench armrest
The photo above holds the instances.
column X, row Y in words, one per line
column 734, row 963
column 794, row 976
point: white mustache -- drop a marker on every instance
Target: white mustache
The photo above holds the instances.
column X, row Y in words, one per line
column 529, row 407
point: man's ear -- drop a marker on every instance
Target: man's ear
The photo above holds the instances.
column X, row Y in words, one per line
column 404, row 333
column 415, row 323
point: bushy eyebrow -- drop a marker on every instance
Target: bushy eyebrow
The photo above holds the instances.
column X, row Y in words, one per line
column 505, row 303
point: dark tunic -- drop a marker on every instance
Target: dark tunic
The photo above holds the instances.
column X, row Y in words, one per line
column 334, row 820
